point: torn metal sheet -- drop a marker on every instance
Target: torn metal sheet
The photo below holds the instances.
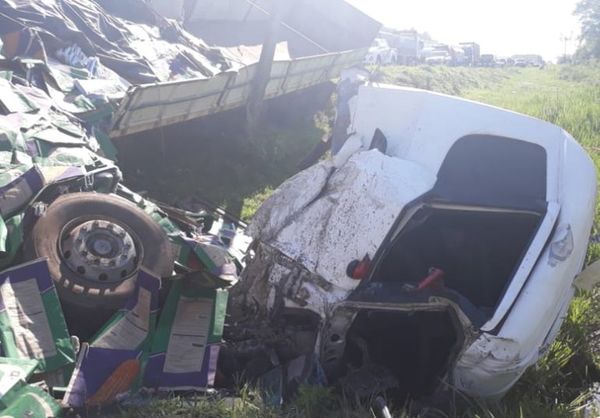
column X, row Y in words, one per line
column 327, row 218
column 31, row 322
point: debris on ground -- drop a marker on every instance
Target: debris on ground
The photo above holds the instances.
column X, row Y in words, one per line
column 103, row 291
column 410, row 262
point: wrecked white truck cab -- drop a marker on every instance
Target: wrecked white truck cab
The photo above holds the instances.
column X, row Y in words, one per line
column 441, row 244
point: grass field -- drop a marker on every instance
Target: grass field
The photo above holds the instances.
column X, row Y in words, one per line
column 566, row 96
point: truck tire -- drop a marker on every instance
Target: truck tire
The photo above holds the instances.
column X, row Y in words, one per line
column 95, row 245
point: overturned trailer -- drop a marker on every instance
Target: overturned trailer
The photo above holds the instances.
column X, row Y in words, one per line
column 316, row 41
column 154, row 72
column 440, row 247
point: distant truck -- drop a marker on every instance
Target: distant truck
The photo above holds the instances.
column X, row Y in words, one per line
column 408, row 45
column 472, row 52
column 443, row 54
column 432, row 56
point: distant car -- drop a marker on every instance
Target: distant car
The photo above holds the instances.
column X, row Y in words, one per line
column 442, row 244
column 438, row 58
column 487, row 60
column 530, row 60
column 519, row 62
column 381, row 53
column 501, row 62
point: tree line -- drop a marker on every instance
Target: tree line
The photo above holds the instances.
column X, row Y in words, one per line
column 588, row 12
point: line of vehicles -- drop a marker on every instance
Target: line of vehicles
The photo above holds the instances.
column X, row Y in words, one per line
column 411, row 48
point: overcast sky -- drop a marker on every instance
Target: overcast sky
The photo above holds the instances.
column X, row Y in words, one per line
column 501, row 27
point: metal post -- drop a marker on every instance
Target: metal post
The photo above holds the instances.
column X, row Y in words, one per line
column 566, row 38
column 261, row 79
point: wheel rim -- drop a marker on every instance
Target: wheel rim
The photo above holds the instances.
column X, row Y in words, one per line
column 99, row 250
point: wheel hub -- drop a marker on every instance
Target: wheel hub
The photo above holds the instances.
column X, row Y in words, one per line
column 99, row 250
